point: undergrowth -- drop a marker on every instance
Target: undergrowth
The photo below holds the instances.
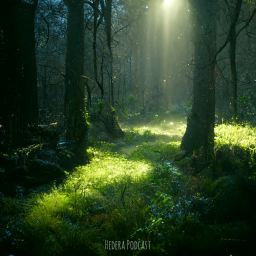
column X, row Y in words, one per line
column 182, row 208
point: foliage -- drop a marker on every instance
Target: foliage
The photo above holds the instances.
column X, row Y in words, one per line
column 142, row 196
column 237, row 143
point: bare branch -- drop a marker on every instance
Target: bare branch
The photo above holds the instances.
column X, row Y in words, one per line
column 93, row 6
column 88, row 79
column 60, row 73
column 120, row 30
column 247, row 23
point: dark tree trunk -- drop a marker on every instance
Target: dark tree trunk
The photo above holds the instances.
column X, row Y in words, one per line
column 96, row 24
column 19, row 105
column 108, row 16
column 26, row 44
column 74, row 87
column 232, row 52
column 111, row 125
column 200, row 128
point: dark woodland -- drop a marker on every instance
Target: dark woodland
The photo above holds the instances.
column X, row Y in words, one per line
column 127, row 127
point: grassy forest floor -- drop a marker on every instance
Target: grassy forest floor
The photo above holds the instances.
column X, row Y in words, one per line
column 132, row 190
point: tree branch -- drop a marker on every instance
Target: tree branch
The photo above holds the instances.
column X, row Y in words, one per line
column 88, row 79
column 248, row 22
column 94, row 7
column 233, row 23
column 60, row 73
column 48, row 28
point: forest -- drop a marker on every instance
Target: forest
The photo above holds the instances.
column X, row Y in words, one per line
column 127, row 127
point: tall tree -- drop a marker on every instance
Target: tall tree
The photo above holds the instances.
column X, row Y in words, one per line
column 19, row 105
column 74, row 87
column 234, row 15
column 200, row 128
column 232, row 49
column 96, row 24
column 108, row 15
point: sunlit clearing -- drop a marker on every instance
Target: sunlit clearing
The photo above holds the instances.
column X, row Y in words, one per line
column 168, row 127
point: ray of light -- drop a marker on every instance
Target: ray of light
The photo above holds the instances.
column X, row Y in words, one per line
column 167, row 2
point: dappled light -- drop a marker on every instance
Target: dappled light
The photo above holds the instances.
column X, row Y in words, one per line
column 135, row 188
column 127, row 128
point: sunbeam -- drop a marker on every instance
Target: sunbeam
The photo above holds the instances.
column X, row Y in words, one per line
column 168, row 2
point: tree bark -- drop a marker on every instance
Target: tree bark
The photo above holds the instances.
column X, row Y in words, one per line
column 95, row 31
column 74, row 87
column 200, row 127
column 108, row 16
column 232, row 52
column 19, row 105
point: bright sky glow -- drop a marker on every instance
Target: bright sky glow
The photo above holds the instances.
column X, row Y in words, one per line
column 167, row 2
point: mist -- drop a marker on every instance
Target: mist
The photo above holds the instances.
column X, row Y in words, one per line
column 162, row 54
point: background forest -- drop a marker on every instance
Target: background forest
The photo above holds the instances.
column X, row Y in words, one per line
column 127, row 120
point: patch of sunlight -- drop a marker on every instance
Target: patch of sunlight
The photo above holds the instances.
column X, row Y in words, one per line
column 142, row 129
column 164, row 128
column 87, row 185
column 240, row 135
column 110, row 164
column 169, row 129
column 168, row 125
column 156, row 152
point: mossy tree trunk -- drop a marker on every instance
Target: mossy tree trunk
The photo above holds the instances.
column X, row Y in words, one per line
column 109, row 119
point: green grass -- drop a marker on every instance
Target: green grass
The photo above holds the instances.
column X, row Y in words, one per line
column 243, row 136
column 237, row 143
column 111, row 188
column 106, row 200
column 135, row 194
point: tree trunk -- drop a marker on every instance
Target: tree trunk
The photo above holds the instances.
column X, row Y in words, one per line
column 18, row 100
column 95, row 32
column 26, row 44
column 108, row 16
column 232, row 51
column 112, row 126
column 74, row 88
column 200, row 127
